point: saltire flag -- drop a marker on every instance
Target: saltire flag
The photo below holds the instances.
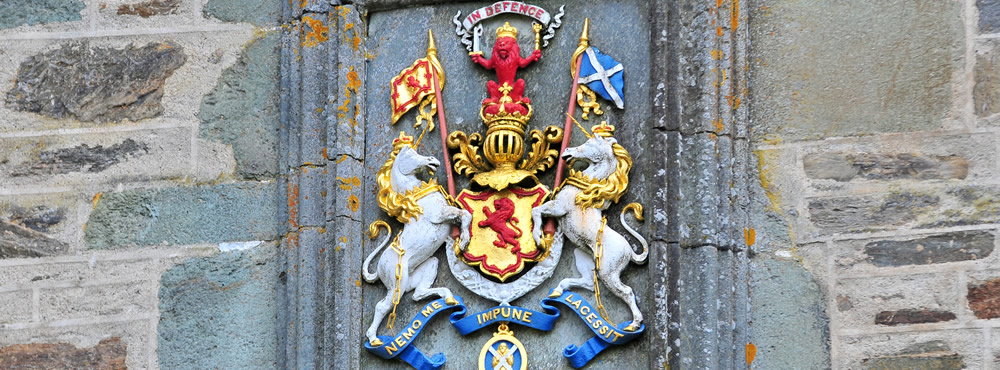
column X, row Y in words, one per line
column 603, row 74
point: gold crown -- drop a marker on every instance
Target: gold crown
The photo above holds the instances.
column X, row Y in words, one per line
column 401, row 141
column 603, row 129
column 507, row 31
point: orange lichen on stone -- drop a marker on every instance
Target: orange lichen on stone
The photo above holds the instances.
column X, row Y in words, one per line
column 293, row 205
column 317, row 33
column 348, row 183
column 353, row 203
column 735, row 15
column 353, row 82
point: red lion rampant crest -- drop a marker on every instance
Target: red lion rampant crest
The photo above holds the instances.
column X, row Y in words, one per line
column 497, row 220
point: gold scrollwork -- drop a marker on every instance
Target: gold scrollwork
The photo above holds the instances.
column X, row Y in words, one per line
column 542, row 155
column 583, row 93
column 468, row 162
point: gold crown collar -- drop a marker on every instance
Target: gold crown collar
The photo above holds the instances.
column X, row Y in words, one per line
column 507, row 31
column 603, row 129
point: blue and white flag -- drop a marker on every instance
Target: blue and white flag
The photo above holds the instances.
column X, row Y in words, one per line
column 603, row 74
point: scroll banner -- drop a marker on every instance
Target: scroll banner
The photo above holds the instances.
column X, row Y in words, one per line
column 605, row 334
column 504, row 7
column 511, row 314
column 401, row 346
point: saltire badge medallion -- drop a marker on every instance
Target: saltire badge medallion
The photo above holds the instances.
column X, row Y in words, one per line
column 504, row 234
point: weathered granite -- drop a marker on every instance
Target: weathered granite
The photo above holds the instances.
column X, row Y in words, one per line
column 242, row 110
column 950, row 247
column 891, row 62
column 912, row 316
column 184, row 215
column 18, row 241
column 94, row 83
column 14, row 13
column 150, row 8
column 81, row 158
column 933, row 355
column 220, row 312
column 984, row 299
column 109, row 354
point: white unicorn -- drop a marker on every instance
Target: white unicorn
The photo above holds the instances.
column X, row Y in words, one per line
column 579, row 206
column 427, row 217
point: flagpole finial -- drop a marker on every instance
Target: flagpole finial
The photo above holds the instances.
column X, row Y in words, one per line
column 580, row 48
column 431, row 47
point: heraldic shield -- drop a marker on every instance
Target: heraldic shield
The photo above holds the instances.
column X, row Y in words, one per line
column 501, row 242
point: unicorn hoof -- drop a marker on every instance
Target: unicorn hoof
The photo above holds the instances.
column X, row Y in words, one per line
column 632, row 327
column 375, row 342
column 451, row 301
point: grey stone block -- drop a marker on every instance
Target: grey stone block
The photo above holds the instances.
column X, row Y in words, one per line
column 91, row 301
column 840, row 214
column 242, row 109
column 314, row 104
column 184, row 215
column 697, row 301
column 220, row 311
column 150, row 8
column 950, row 247
column 96, row 84
column 700, row 219
column 989, row 16
column 15, row 307
column 785, row 295
column 39, row 218
column 311, row 189
column 18, row 241
column 260, row 13
column 816, row 78
column 81, row 158
column 912, row 316
column 936, row 355
column 665, row 186
column 877, row 166
column 14, row 13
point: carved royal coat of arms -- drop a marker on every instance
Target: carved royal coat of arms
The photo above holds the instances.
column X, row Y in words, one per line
column 504, row 234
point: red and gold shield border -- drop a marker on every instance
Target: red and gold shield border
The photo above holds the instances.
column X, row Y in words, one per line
column 502, row 262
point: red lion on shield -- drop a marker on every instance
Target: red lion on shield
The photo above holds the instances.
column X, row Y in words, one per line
column 497, row 221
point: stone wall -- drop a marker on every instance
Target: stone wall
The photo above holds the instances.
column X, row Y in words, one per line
column 875, row 131
column 139, row 205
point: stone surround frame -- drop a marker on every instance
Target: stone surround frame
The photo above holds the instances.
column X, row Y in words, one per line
column 697, row 205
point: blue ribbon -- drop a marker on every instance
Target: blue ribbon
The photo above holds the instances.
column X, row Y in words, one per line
column 605, row 334
column 400, row 346
column 512, row 314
